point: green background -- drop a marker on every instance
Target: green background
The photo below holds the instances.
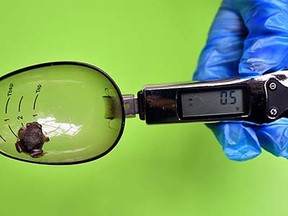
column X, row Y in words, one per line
column 154, row 170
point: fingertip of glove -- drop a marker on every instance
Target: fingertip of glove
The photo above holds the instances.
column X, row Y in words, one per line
column 264, row 54
column 252, row 67
column 239, row 142
column 274, row 138
column 241, row 155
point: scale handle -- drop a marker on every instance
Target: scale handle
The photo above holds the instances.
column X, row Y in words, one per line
column 262, row 97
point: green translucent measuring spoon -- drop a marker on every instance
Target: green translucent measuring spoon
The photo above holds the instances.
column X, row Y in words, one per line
column 78, row 106
column 69, row 112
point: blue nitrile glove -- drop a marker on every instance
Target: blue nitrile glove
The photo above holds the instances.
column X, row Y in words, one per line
column 247, row 38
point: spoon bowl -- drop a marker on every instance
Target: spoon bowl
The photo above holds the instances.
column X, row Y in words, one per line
column 79, row 107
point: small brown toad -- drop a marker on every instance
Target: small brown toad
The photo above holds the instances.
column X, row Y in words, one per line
column 31, row 139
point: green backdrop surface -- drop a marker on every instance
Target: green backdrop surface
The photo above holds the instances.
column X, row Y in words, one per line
column 154, row 170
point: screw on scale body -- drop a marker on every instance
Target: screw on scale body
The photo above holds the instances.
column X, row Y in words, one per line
column 272, row 86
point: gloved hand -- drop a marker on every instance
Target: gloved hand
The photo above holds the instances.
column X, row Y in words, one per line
column 247, row 38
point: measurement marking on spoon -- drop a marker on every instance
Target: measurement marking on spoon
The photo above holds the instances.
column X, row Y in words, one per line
column 35, row 101
column 1, row 137
column 20, row 103
column 12, row 131
column 6, row 106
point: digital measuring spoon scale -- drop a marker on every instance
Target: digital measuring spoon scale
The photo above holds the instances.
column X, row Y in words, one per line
column 70, row 112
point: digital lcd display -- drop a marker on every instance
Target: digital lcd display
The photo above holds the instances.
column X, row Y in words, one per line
column 211, row 103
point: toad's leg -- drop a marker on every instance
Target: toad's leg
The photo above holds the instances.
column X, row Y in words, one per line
column 36, row 153
column 18, row 146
